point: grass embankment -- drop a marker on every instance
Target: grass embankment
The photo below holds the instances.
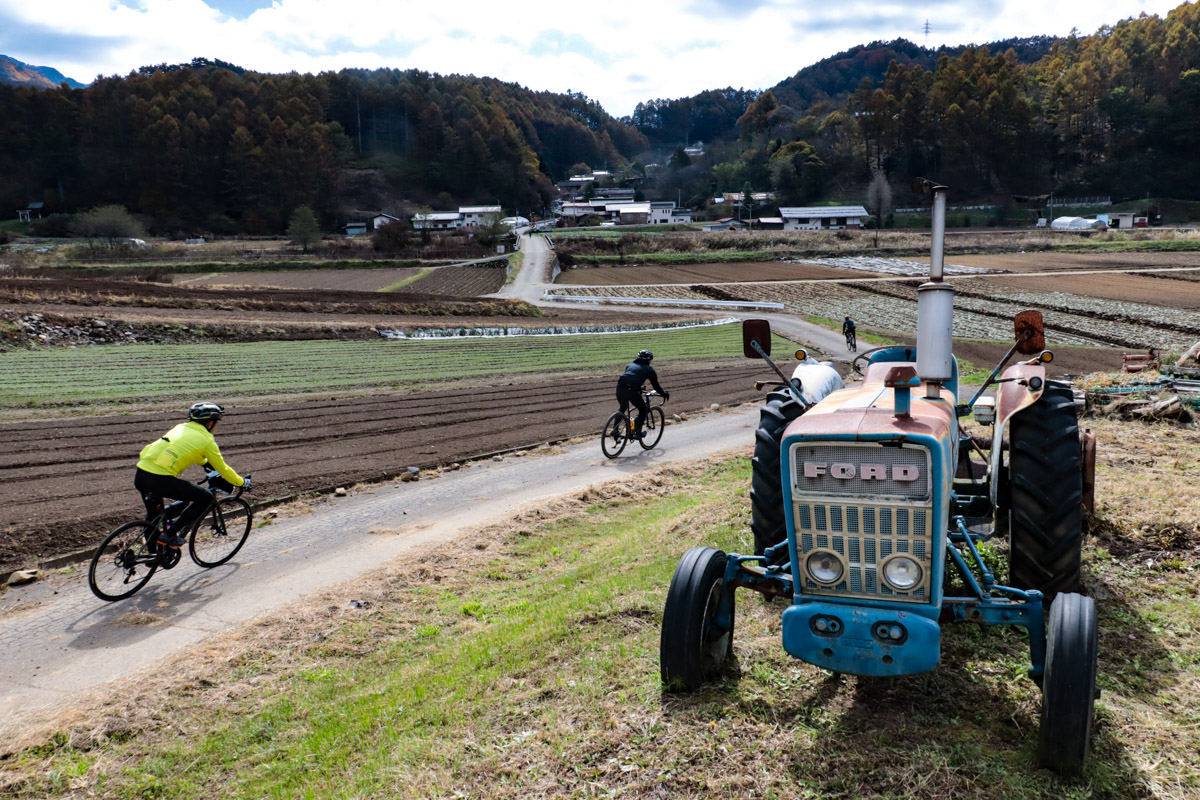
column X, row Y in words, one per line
column 522, row 661
column 515, row 262
column 152, row 373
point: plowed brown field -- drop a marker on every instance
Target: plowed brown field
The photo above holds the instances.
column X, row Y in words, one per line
column 63, row 483
column 1042, row 261
column 706, row 273
column 1174, row 290
column 361, row 280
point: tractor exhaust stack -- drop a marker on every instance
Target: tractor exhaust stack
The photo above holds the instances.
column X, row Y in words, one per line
column 935, row 305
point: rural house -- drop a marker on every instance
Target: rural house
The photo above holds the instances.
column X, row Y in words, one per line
column 822, row 217
column 478, row 216
column 437, row 221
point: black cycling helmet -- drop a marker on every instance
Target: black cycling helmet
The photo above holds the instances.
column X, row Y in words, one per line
column 203, row 412
column 646, row 354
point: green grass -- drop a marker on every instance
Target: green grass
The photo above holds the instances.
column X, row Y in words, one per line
column 525, row 664
column 515, row 262
column 161, row 372
column 400, row 284
column 15, row 227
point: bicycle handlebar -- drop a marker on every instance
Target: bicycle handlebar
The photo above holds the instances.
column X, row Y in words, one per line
column 232, row 491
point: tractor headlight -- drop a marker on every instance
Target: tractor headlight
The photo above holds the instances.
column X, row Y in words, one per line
column 824, row 567
column 902, row 573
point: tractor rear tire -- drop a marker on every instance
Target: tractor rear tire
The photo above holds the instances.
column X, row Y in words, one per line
column 1045, row 513
column 1068, row 684
column 692, row 648
column 767, row 520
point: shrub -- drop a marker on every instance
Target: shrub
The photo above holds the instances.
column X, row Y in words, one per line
column 55, row 226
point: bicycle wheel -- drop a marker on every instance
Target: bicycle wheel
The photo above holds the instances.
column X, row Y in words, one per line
column 221, row 532
column 123, row 562
column 652, row 428
column 613, row 437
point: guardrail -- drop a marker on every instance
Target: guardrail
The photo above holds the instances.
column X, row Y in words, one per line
column 663, row 301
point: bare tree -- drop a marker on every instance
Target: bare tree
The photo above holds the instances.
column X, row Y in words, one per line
column 879, row 200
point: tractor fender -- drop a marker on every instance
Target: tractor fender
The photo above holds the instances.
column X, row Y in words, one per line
column 1012, row 398
column 817, row 381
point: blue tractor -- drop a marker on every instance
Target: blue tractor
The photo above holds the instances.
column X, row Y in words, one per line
column 863, row 501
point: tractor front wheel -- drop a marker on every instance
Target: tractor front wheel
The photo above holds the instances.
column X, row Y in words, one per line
column 697, row 636
column 1069, row 683
column 1045, row 504
column 766, row 482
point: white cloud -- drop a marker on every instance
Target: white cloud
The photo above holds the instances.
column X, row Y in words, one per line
column 617, row 52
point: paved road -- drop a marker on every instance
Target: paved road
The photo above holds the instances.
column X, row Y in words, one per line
column 57, row 640
column 533, row 280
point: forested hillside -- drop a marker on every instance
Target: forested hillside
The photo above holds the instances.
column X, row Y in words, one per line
column 713, row 114
column 1114, row 113
column 210, row 146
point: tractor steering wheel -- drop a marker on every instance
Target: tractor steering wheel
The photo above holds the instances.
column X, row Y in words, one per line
column 863, row 356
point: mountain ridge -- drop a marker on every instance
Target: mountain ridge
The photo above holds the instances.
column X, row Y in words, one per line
column 18, row 73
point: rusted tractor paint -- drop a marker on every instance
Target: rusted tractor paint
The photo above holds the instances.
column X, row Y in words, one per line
column 1087, row 446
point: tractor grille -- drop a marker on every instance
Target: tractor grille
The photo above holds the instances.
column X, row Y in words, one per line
column 815, row 470
column 885, row 517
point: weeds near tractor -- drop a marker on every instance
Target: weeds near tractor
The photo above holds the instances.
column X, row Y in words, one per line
column 522, row 661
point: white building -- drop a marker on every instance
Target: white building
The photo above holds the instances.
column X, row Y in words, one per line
column 476, row 216
column 822, row 217
column 381, row 219
column 665, row 213
column 1076, row 224
column 437, row 221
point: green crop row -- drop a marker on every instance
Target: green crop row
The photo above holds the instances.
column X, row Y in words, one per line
column 156, row 373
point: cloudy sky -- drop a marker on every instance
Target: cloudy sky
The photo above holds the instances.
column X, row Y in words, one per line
column 618, row 52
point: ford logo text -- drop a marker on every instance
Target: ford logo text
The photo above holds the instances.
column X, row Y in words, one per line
column 867, row 472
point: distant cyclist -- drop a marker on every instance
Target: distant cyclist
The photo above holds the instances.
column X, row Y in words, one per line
column 160, row 463
column 848, row 330
column 629, row 387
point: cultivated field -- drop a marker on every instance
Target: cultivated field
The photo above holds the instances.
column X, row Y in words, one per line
column 359, row 280
column 459, row 281
column 699, row 273
column 1157, row 308
column 354, row 423
column 441, row 281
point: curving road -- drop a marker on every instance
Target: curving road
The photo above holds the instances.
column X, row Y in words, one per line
column 534, row 279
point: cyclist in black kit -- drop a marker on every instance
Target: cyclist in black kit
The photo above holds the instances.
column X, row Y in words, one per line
column 848, row 330
column 629, row 387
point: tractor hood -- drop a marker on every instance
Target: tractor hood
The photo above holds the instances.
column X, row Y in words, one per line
column 868, row 411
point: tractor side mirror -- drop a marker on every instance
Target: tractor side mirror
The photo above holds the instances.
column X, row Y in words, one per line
column 1030, row 333
column 759, row 331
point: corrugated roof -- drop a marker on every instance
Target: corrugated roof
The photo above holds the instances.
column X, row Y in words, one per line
column 823, row 211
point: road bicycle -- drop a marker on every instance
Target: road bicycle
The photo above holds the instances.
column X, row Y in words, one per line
column 618, row 431
column 851, row 341
column 130, row 555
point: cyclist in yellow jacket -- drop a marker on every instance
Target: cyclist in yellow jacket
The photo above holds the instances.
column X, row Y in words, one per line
column 160, row 463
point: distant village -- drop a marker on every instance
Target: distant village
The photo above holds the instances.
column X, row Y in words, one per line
column 588, row 200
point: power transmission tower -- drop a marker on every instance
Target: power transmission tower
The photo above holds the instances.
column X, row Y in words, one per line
column 927, row 29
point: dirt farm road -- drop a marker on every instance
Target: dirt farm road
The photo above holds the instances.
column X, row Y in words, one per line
column 58, row 643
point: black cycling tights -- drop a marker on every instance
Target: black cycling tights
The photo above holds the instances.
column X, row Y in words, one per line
column 153, row 486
